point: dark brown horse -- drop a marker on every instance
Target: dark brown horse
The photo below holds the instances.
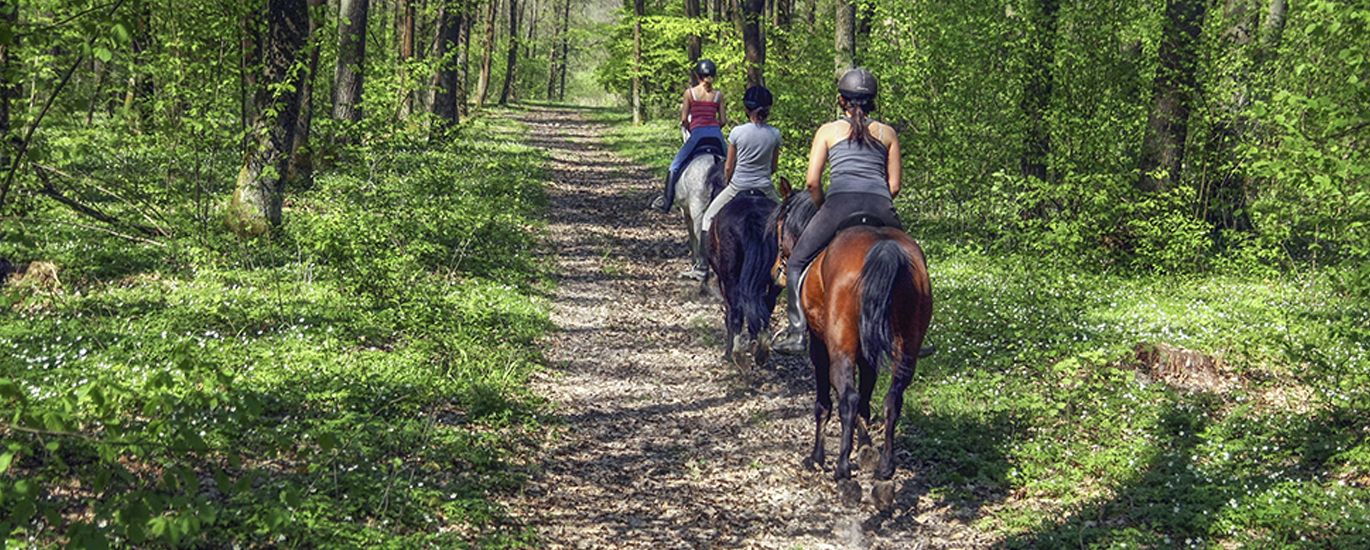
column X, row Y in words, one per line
column 866, row 297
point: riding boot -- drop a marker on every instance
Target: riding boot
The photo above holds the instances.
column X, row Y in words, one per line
column 667, row 198
column 795, row 340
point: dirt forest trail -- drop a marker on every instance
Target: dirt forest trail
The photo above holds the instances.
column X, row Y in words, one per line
column 664, row 444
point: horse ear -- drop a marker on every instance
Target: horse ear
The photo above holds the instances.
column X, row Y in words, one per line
column 785, row 188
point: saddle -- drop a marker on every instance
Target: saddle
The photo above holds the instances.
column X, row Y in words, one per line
column 757, row 193
column 860, row 218
column 709, row 146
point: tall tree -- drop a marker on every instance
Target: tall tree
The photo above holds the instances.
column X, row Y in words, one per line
column 565, row 49
column 753, row 43
column 512, row 58
column 9, row 15
column 844, row 36
column 693, row 48
column 405, row 31
column 301, row 169
column 347, row 94
column 445, row 106
column 1037, row 95
column 556, row 64
column 1175, row 88
column 639, row 10
column 487, row 58
column 256, row 203
column 463, row 56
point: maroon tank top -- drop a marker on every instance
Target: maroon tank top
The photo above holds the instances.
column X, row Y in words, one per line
column 703, row 113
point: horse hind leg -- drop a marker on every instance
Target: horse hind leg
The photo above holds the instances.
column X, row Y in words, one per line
column 822, row 408
column 867, row 456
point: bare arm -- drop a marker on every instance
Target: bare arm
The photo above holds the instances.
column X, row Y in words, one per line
column 730, row 164
column 818, row 157
column 722, row 110
column 775, row 160
column 894, row 170
column 685, row 110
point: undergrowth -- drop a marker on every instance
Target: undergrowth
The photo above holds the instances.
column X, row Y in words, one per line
column 355, row 381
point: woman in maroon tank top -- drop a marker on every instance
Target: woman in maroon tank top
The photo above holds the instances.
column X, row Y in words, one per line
column 703, row 114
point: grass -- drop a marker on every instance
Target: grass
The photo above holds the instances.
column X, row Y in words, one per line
column 356, row 381
column 1036, row 417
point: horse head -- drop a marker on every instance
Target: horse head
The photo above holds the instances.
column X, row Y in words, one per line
column 786, row 224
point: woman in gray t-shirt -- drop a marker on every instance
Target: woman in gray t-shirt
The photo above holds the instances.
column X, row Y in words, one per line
column 753, row 154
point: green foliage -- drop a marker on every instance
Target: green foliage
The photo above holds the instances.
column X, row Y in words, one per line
column 665, row 70
column 354, row 382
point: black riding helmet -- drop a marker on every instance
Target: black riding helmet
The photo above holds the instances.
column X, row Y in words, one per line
column 757, row 97
column 706, row 67
column 858, row 87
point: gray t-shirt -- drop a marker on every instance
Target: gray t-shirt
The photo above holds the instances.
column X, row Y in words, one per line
column 756, row 145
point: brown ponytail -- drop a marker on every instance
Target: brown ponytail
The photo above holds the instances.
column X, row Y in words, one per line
column 860, row 134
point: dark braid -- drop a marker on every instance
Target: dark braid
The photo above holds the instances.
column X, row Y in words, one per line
column 761, row 113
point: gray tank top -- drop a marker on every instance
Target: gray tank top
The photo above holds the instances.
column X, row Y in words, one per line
column 859, row 168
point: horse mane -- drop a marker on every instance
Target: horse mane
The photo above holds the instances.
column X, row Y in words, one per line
column 718, row 177
column 795, row 212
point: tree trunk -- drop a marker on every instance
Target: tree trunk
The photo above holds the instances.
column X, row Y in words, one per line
column 512, row 59
column 1176, row 84
column 9, row 15
column 448, row 44
column 693, row 47
column 301, row 171
column 844, row 37
column 463, row 58
column 565, row 49
column 347, row 94
column 558, row 36
column 139, row 85
column 487, row 59
column 753, row 43
column 638, row 11
column 531, row 42
column 406, row 35
column 251, row 46
column 1037, row 95
column 256, row 203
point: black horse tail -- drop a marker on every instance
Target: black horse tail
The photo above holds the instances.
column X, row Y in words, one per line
column 886, row 264
column 753, row 284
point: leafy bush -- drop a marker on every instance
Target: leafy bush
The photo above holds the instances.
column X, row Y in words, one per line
column 356, row 381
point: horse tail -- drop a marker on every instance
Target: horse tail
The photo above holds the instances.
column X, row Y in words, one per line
column 758, row 253
column 886, row 264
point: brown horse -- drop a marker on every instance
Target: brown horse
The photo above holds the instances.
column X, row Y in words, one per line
column 866, row 297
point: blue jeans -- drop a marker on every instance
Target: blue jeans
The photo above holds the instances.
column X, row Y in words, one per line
column 697, row 136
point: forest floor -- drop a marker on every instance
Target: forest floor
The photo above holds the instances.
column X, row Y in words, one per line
column 664, row 444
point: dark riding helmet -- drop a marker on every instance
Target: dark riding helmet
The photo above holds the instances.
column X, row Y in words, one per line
column 706, row 67
column 858, row 87
column 757, row 97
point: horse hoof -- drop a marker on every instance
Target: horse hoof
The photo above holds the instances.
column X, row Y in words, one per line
column 761, row 354
column 868, row 458
column 739, row 355
column 849, row 492
column 883, row 495
column 695, row 273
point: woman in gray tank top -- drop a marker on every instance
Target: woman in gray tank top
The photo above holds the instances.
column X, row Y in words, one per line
column 865, row 174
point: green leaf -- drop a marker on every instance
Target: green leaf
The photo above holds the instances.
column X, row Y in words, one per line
column 5, row 460
column 103, row 54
